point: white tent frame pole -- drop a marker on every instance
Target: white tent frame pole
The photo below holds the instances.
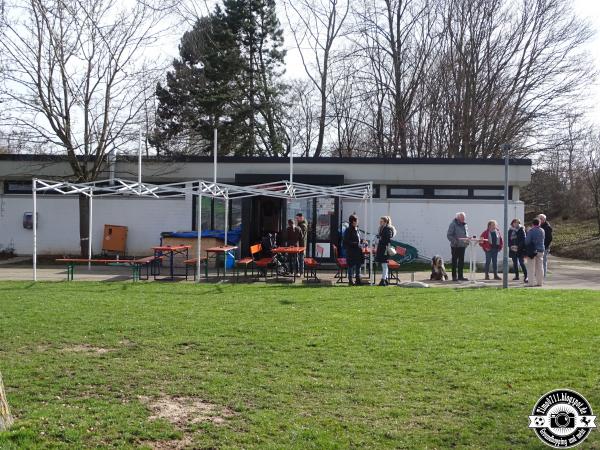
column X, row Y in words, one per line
column 215, row 136
column 370, row 235
column 140, row 162
column 291, row 166
column 226, row 229
column 34, row 229
column 366, row 219
column 199, row 237
column 90, row 227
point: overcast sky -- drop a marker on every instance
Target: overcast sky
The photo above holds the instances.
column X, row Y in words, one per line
column 591, row 10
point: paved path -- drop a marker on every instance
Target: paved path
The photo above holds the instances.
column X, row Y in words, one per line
column 563, row 274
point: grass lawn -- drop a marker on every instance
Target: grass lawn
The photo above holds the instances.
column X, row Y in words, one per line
column 88, row 364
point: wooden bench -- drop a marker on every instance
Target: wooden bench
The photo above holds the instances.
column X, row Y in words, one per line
column 191, row 263
column 151, row 263
column 135, row 264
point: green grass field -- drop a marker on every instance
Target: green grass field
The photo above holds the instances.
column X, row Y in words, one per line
column 90, row 364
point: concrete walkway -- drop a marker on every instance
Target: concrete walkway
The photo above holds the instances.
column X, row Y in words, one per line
column 563, row 274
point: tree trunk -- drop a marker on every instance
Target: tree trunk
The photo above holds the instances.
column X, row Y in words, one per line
column 84, row 223
column 6, row 419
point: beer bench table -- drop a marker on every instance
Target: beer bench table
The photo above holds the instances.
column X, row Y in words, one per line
column 169, row 251
column 136, row 265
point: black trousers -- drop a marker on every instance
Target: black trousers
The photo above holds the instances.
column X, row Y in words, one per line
column 519, row 260
column 458, row 261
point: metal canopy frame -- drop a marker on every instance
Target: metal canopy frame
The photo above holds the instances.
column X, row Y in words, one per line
column 285, row 189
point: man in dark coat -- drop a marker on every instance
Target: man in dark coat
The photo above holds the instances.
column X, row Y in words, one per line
column 457, row 231
column 292, row 237
column 545, row 225
column 516, row 243
column 354, row 254
column 302, row 240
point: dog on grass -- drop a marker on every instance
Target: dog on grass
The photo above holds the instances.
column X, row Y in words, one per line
column 438, row 271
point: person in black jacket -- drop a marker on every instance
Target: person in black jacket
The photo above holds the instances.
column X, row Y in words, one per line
column 545, row 225
column 386, row 233
column 354, row 254
column 292, row 239
column 516, row 245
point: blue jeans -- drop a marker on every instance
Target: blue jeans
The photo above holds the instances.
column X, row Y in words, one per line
column 354, row 270
column 301, row 263
column 491, row 256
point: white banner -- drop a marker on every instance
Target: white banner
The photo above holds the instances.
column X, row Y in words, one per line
column 544, row 422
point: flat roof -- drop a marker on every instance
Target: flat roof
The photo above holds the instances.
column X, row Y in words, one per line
column 281, row 159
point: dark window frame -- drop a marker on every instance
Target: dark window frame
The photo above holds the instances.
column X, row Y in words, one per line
column 429, row 192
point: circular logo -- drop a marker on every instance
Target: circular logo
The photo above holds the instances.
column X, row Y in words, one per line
column 562, row 418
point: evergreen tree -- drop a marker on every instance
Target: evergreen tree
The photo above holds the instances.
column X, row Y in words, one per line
column 259, row 37
column 203, row 91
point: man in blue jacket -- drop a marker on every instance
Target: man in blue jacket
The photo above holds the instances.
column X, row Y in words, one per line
column 534, row 247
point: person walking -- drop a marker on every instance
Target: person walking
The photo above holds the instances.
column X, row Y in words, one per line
column 457, row 232
column 516, row 243
column 302, row 241
column 545, row 225
column 534, row 244
column 292, row 237
column 385, row 235
column 353, row 250
column 492, row 243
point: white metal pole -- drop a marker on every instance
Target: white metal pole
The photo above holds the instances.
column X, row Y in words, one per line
column 366, row 222
column 215, row 156
column 140, row 162
column 505, row 248
column 370, row 237
column 291, row 166
column 91, row 218
column 226, row 227
column 34, row 229
column 199, row 229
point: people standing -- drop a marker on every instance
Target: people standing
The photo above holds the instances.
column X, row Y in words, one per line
column 353, row 249
column 545, row 225
column 457, row 234
column 385, row 235
column 302, row 241
column 492, row 243
column 534, row 245
column 292, row 238
column 516, row 243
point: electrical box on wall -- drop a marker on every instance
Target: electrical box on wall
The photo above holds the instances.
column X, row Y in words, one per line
column 28, row 220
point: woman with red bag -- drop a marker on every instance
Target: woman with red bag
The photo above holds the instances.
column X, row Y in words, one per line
column 492, row 244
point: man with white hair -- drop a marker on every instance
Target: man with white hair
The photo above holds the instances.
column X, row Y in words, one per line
column 457, row 231
column 545, row 225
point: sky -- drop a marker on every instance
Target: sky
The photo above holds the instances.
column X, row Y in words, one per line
column 590, row 9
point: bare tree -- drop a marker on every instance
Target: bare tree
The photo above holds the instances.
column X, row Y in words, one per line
column 316, row 25
column 301, row 118
column 73, row 77
column 591, row 170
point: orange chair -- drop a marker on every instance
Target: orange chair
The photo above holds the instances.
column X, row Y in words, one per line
column 262, row 264
column 394, row 266
column 341, row 264
column 311, row 264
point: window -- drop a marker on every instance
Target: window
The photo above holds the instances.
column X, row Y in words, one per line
column 405, row 192
column 494, row 193
column 18, row 187
column 451, row 192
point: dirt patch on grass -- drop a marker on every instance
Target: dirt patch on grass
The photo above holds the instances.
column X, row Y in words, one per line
column 185, row 442
column 85, row 348
column 184, row 411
